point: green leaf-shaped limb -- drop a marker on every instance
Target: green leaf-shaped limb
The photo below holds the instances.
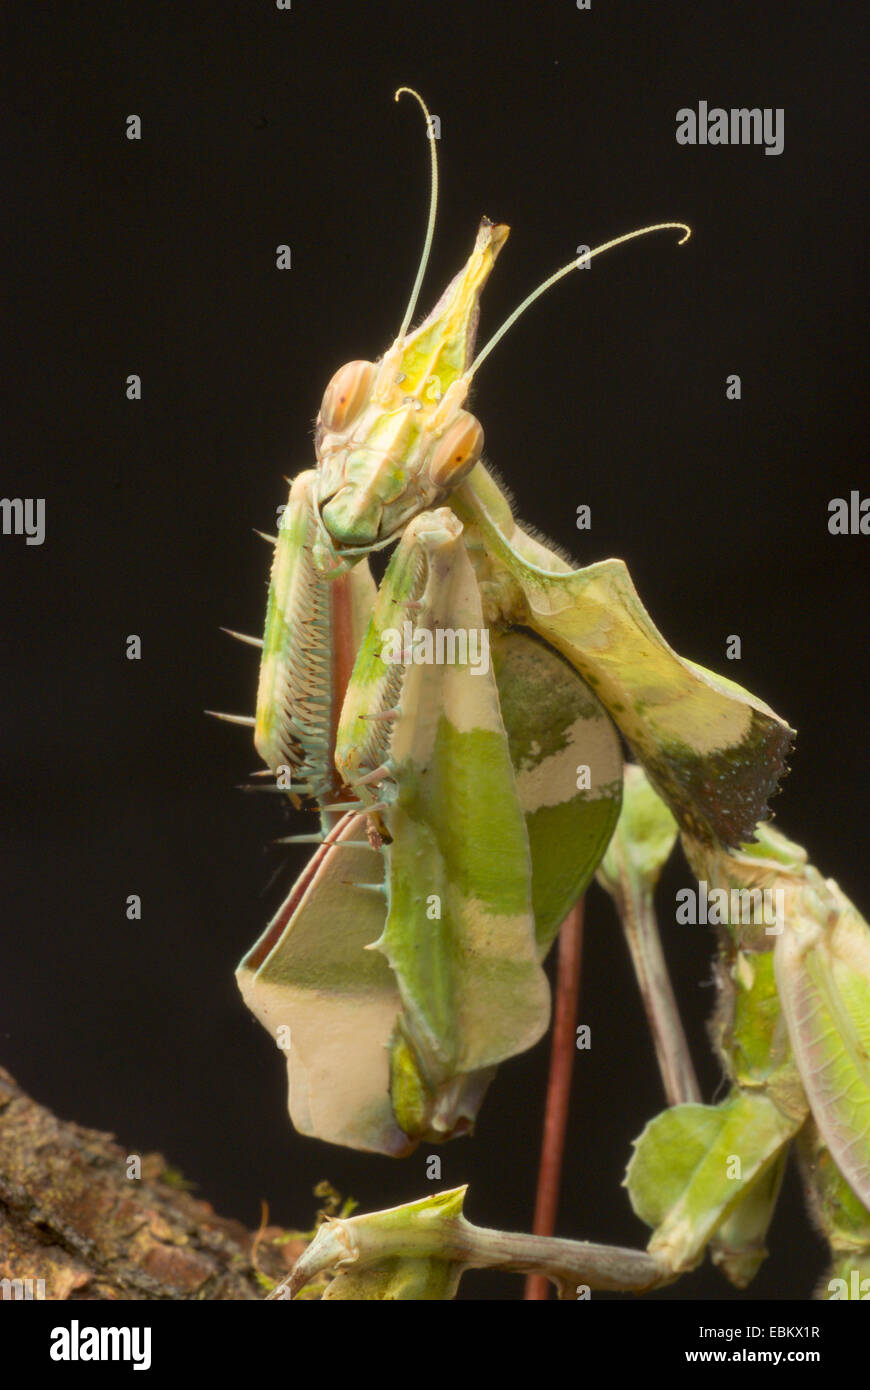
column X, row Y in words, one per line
column 460, row 932
column 403, row 1253
column 739, row 1247
column 492, row 836
column 420, row 1250
column 694, row 1164
column 712, row 750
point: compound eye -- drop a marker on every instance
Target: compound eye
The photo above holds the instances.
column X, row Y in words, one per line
column 457, row 451
column 346, row 395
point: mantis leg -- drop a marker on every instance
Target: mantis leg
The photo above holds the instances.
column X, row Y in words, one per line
column 313, row 628
column 725, row 1163
column 469, row 737
column 713, row 751
column 791, row 1032
column 420, row 1251
column 422, row 714
column 640, row 845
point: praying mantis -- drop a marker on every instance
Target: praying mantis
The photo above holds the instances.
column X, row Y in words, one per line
column 458, row 731
column 792, row 1029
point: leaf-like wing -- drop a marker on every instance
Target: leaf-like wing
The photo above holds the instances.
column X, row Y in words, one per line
column 823, row 976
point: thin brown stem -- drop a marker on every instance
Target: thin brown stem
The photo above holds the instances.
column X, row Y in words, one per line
column 558, row 1087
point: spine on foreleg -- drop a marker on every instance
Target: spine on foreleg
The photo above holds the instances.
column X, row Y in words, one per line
column 313, row 625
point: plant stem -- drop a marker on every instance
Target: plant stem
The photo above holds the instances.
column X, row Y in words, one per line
column 558, row 1087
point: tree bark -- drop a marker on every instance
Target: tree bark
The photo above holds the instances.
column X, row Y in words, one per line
column 71, row 1216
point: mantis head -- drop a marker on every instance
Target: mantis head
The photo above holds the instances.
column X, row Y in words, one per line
column 393, row 437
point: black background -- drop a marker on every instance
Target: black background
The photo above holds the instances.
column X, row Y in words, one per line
column 157, row 257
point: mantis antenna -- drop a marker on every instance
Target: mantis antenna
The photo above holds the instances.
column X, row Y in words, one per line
column 566, row 270
column 433, row 206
